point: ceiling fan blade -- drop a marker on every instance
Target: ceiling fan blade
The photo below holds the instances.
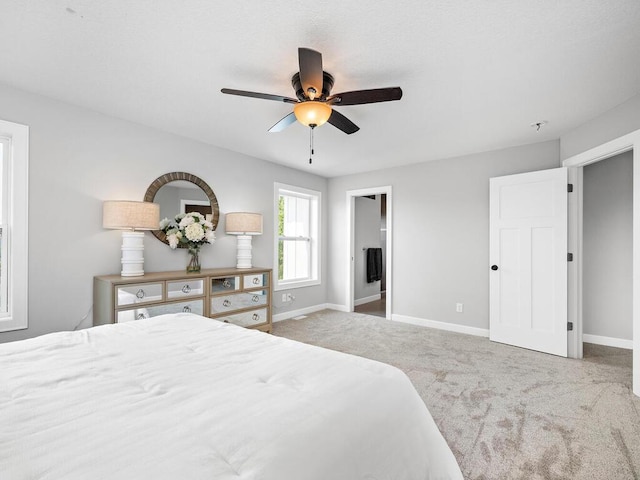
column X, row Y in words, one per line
column 283, row 123
column 264, row 96
column 310, row 63
column 359, row 97
column 342, row 123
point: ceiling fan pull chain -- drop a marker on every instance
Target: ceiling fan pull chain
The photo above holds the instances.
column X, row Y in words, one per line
column 311, row 150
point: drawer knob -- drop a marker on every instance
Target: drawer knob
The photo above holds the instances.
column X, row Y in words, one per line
column 256, row 299
column 140, row 294
column 226, row 303
column 255, row 317
column 186, row 289
column 256, row 280
column 226, row 284
column 140, row 316
column 187, row 309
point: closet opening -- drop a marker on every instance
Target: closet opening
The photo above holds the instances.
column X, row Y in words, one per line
column 370, row 237
column 369, row 281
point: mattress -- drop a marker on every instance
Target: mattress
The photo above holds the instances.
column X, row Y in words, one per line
column 186, row 397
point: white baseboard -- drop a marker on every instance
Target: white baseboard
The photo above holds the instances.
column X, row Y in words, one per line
column 306, row 310
column 608, row 341
column 335, row 306
column 372, row 298
column 451, row 327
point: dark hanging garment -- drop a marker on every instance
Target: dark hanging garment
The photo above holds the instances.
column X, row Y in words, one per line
column 374, row 264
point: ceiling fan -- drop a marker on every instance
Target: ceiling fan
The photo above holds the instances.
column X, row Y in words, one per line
column 314, row 104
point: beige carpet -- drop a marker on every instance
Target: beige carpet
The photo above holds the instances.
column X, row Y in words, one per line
column 506, row 413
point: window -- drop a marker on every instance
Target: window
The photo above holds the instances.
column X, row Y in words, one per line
column 14, row 178
column 5, row 145
column 297, row 213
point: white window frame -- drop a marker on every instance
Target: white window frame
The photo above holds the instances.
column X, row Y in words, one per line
column 15, row 178
column 315, row 198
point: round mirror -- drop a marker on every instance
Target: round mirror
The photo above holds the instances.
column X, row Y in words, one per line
column 180, row 192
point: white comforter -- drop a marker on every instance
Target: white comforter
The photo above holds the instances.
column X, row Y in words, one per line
column 184, row 397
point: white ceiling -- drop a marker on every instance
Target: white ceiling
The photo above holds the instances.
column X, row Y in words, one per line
column 475, row 75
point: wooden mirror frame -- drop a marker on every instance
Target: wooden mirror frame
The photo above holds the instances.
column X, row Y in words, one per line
column 161, row 181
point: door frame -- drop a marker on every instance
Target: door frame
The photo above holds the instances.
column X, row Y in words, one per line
column 351, row 202
column 629, row 142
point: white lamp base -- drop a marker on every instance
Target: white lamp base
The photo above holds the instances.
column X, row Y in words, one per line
column 132, row 254
column 244, row 251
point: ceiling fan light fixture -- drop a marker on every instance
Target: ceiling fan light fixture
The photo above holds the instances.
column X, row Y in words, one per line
column 312, row 112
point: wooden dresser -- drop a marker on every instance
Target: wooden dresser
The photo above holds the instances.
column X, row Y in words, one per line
column 238, row 296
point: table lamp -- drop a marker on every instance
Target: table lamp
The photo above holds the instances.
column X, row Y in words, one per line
column 131, row 217
column 244, row 225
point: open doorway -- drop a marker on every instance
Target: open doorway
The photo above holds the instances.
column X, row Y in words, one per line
column 607, row 251
column 370, row 239
column 626, row 143
column 369, row 279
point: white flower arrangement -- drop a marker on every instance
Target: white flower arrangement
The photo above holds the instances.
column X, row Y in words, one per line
column 191, row 230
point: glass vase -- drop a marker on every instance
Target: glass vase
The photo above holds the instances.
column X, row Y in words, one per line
column 194, row 262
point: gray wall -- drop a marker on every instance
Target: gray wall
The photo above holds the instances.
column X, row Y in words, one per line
column 440, row 230
column 79, row 158
column 619, row 121
column 608, row 247
column 366, row 235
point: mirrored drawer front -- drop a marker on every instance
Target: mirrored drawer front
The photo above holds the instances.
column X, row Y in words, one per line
column 228, row 303
column 192, row 306
column 256, row 280
column 140, row 293
column 225, row 284
column 185, row 288
column 247, row 319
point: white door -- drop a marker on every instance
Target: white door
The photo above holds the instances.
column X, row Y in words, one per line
column 528, row 260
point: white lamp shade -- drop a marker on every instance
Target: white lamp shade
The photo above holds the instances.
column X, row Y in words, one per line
column 243, row 223
column 130, row 215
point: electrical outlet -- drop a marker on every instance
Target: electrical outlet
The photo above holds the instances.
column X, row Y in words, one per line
column 290, row 297
column 459, row 307
column 284, row 297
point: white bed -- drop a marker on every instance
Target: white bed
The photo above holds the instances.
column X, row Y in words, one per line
column 184, row 397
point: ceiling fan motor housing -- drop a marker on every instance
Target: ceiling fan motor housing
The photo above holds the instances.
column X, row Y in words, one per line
column 327, row 85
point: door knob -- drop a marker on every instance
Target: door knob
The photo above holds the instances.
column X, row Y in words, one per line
column 494, row 267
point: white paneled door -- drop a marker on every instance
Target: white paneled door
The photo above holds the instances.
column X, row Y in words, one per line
column 528, row 260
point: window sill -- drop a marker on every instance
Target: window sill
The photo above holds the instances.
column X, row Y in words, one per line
column 291, row 285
